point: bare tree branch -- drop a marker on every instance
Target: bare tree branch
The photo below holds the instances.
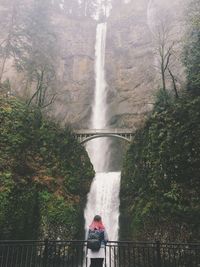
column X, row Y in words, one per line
column 51, row 101
column 174, row 82
column 167, row 62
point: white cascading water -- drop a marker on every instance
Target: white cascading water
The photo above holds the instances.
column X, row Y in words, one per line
column 103, row 198
column 99, row 149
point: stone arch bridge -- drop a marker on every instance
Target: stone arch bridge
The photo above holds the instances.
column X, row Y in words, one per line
column 85, row 135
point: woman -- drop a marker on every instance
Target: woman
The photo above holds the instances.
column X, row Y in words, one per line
column 97, row 257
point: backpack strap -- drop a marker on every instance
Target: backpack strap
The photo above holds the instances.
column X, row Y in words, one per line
column 105, row 255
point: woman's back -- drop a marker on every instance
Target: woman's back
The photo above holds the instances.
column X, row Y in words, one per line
column 96, row 234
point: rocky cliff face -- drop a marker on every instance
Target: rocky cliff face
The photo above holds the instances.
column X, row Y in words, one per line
column 132, row 78
column 130, row 74
column 129, row 71
column 76, row 70
column 130, row 59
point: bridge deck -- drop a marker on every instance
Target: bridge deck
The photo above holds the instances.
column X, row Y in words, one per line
column 104, row 131
column 85, row 135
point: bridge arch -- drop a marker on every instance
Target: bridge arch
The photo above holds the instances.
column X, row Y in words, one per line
column 85, row 135
column 89, row 138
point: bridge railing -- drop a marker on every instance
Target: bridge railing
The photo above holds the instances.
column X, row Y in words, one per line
column 118, row 254
column 103, row 131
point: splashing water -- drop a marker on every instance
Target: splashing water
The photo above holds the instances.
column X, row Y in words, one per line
column 103, row 199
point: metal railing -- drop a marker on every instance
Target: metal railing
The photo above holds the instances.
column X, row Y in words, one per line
column 85, row 135
column 105, row 131
column 50, row 253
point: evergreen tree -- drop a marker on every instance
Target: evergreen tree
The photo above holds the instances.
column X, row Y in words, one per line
column 38, row 60
column 160, row 177
column 11, row 24
column 192, row 47
column 45, row 175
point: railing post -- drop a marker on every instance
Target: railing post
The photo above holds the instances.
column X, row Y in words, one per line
column 45, row 254
column 158, row 254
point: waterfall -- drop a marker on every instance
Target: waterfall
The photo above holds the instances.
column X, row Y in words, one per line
column 99, row 149
column 103, row 198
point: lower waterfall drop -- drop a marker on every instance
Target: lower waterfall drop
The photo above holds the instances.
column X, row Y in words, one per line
column 103, row 199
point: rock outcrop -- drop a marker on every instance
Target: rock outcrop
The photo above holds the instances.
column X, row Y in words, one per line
column 76, row 71
column 130, row 75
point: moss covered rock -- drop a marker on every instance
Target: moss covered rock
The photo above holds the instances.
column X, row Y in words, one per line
column 160, row 183
column 45, row 175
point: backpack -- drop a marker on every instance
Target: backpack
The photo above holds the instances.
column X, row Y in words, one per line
column 94, row 239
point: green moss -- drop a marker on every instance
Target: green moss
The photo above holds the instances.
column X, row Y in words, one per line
column 45, row 175
column 161, row 175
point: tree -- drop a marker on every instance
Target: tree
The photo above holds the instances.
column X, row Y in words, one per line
column 10, row 28
column 38, row 54
column 90, row 7
column 167, row 50
column 71, row 7
column 192, row 47
column 45, row 175
column 164, row 51
column 160, row 177
column 77, row 8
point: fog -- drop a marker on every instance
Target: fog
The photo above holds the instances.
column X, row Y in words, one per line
column 55, row 40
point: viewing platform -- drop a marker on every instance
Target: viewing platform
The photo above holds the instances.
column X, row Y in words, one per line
column 85, row 135
column 54, row 253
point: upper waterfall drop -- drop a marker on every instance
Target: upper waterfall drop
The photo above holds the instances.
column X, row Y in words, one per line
column 98, row 150
column 99, row 120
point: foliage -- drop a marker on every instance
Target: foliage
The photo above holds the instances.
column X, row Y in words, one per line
column 192, row 47
column 19, row 216
column 29, row 41
column 38, row 53
column 163, row 99
column 10, row 25
column 160, row 177
column 44, row 175
column 76, row 8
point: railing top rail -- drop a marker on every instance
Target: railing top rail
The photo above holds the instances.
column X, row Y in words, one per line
column 71, row 253
column 108, row 131
column 109, row 242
